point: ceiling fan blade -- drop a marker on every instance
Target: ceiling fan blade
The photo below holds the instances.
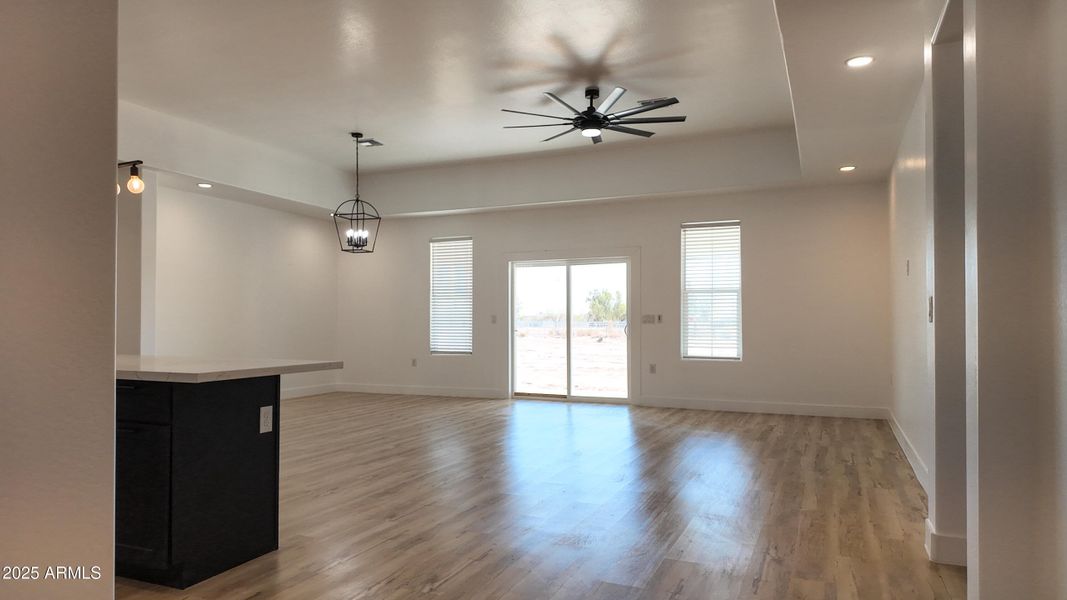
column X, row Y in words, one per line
column 610, row 101
column 651, row 120
column 545, row 125
column 644, row 108
column 519, row 112
column 630, row 130
column 557, row 99
column 597, row 139
column 559, row 134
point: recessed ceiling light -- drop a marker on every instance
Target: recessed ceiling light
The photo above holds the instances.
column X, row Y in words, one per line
column 847, row 168
column 857, row 62
column 205, row 186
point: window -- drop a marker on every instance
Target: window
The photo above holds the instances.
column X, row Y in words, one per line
column 451, row 296
column 711, row 290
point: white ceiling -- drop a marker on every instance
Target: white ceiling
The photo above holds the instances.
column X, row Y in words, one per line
column 429, row 78
column 852, row 116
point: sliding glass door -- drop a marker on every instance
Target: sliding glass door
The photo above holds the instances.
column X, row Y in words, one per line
column 570, row 328
column 539, row 318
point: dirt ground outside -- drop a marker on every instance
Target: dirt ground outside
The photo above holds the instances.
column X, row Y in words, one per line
column 599, row 361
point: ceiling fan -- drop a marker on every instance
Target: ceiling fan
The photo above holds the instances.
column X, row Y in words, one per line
column 595, row 120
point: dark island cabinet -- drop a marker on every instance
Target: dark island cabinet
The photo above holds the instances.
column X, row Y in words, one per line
column 196, row 477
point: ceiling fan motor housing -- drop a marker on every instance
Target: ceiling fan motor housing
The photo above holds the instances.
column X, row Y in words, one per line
column 590, row 119
column 594, row 119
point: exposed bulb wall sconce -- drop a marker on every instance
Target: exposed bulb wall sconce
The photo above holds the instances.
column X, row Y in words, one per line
column 135, row 184
column 357, row 220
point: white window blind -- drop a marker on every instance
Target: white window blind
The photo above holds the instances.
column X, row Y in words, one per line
column 452, row 296
column 711, row 290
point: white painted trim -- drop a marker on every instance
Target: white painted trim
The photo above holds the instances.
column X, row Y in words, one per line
column 917, row 464
column 945, row 549
column 778, row 408
column 421, row 390
column 308, row 390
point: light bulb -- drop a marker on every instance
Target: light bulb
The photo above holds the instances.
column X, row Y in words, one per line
column 118, row 188
column 591, row 132
column 350, row 233
column 857, row 62
column 135, row 184
column 847, row 168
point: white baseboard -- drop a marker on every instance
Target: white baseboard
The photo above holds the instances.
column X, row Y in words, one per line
column 777, row 408
column 945, row 549
column 421, row 390
column 921, row 472
column 308, row 390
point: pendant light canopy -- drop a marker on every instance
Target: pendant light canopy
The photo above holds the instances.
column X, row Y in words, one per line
column 356, row 220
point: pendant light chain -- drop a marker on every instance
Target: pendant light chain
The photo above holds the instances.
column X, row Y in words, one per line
column 357, row 168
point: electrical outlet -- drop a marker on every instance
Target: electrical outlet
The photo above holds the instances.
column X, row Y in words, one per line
column 266, row 419
column 492, row 319
column 414, row 362
column 648, row 319
column 652, row 368
column 659, row 318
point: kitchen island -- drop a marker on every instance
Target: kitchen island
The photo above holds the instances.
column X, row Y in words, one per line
column 196, row 463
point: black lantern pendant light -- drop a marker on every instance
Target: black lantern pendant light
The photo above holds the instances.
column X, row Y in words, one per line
column 356, row 220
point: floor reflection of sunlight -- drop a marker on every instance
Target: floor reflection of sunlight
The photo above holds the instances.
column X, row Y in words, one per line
column 572, row 452
column 588, row 475
column 716, row 472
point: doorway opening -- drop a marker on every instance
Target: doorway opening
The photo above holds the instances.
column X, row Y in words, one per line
column 570, row 328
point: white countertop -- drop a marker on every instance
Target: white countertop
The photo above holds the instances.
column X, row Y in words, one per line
column 201, row 370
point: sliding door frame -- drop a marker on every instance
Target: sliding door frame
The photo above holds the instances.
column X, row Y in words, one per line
column 631, row 258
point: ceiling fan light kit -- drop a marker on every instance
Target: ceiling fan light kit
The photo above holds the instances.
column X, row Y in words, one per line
column 594, row 120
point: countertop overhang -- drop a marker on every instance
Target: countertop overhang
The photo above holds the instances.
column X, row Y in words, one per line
column 177, row 369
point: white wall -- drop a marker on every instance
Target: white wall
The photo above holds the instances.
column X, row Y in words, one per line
column 815, row 298
column 910, row 266
column 1051, row 544
column 1052, row 485
column 178, row 145
column 697, row 164
column 57, row 293
column 1015, row 198
column 926, row 223
column 135, row 265
column 234, row 279
column 947, row 522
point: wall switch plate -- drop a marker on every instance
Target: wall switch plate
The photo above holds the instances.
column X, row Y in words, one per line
column 659, row 318
column 648, row 319
column 266, row 419
column 652, row 368
column 492, row 319
column 414, row 362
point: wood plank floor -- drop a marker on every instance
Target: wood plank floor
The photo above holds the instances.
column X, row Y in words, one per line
column 390, row 497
